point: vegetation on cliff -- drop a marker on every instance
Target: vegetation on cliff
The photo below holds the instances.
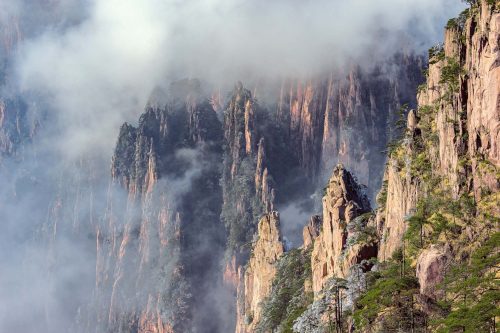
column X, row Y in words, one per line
column 288, row 298
column 450, row 214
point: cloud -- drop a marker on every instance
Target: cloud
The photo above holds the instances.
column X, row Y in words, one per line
column 294, row 216
column 100, row 71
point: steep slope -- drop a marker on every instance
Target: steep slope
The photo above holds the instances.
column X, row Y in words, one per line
column 259, row 273
column 452, row 139
column 440, row 219
column 322, row 116
column 282, row 151
column 337, row 248
column 18, row 126
column 340, row 244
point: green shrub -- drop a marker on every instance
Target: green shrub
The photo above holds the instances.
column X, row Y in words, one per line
column 391, row 291
column 450, row 75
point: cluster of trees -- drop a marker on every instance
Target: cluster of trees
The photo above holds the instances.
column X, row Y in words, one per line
column 389, row 302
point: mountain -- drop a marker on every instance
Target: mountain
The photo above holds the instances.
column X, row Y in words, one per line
column 197, row 179
column 363, row 199
column 426, row 259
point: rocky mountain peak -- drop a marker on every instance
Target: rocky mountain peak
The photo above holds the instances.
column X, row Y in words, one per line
column 344, row 214
column 343, row 189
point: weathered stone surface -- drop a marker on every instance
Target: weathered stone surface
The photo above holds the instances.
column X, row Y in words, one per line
column 463, row 94
column 344, row 200
column 431, row 270
column 402, row 197
column 482, row 63
column 322, row 116
column 149, row 271
column 412, row 121
column 473, row 109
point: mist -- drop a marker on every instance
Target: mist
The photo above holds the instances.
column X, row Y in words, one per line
column 87, row 66
column 100, row 71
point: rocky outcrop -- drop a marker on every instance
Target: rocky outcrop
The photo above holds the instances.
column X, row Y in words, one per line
column 239, row 128
column 431, row 270
column 263, row 188
column 463, row 87
column 332, row 254
column 248, row 188
column 482, row 63
column 258, row 276
column 456, row 125
column 402, row 194
column 312, row 230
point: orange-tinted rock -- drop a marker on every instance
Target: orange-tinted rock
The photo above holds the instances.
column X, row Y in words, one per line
column 312, row 230
column 259, row 274
column 344, row 200
column 431, row 269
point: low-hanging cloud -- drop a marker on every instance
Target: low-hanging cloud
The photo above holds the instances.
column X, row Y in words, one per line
column 100, row 70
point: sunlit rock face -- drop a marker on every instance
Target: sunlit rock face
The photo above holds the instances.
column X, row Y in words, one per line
column 347, row 116
column 289, row 141
column 430, row 270
column 463, row 98
column 200, row 175
column 312, row 230
column 258, row 275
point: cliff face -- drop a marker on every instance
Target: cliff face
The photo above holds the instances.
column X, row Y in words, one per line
column 312, row 230
column 277, row 287
column 455, row 130
column 259, row 273
column 246, row 182
column 323, row 116
column 19, row 124
column 182, row 170
column 398, row 198
column 483, row 90
column 287, row 151
column 438, row 215
column 272, row 157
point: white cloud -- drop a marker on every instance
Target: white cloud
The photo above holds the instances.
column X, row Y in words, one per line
column 100, row 72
